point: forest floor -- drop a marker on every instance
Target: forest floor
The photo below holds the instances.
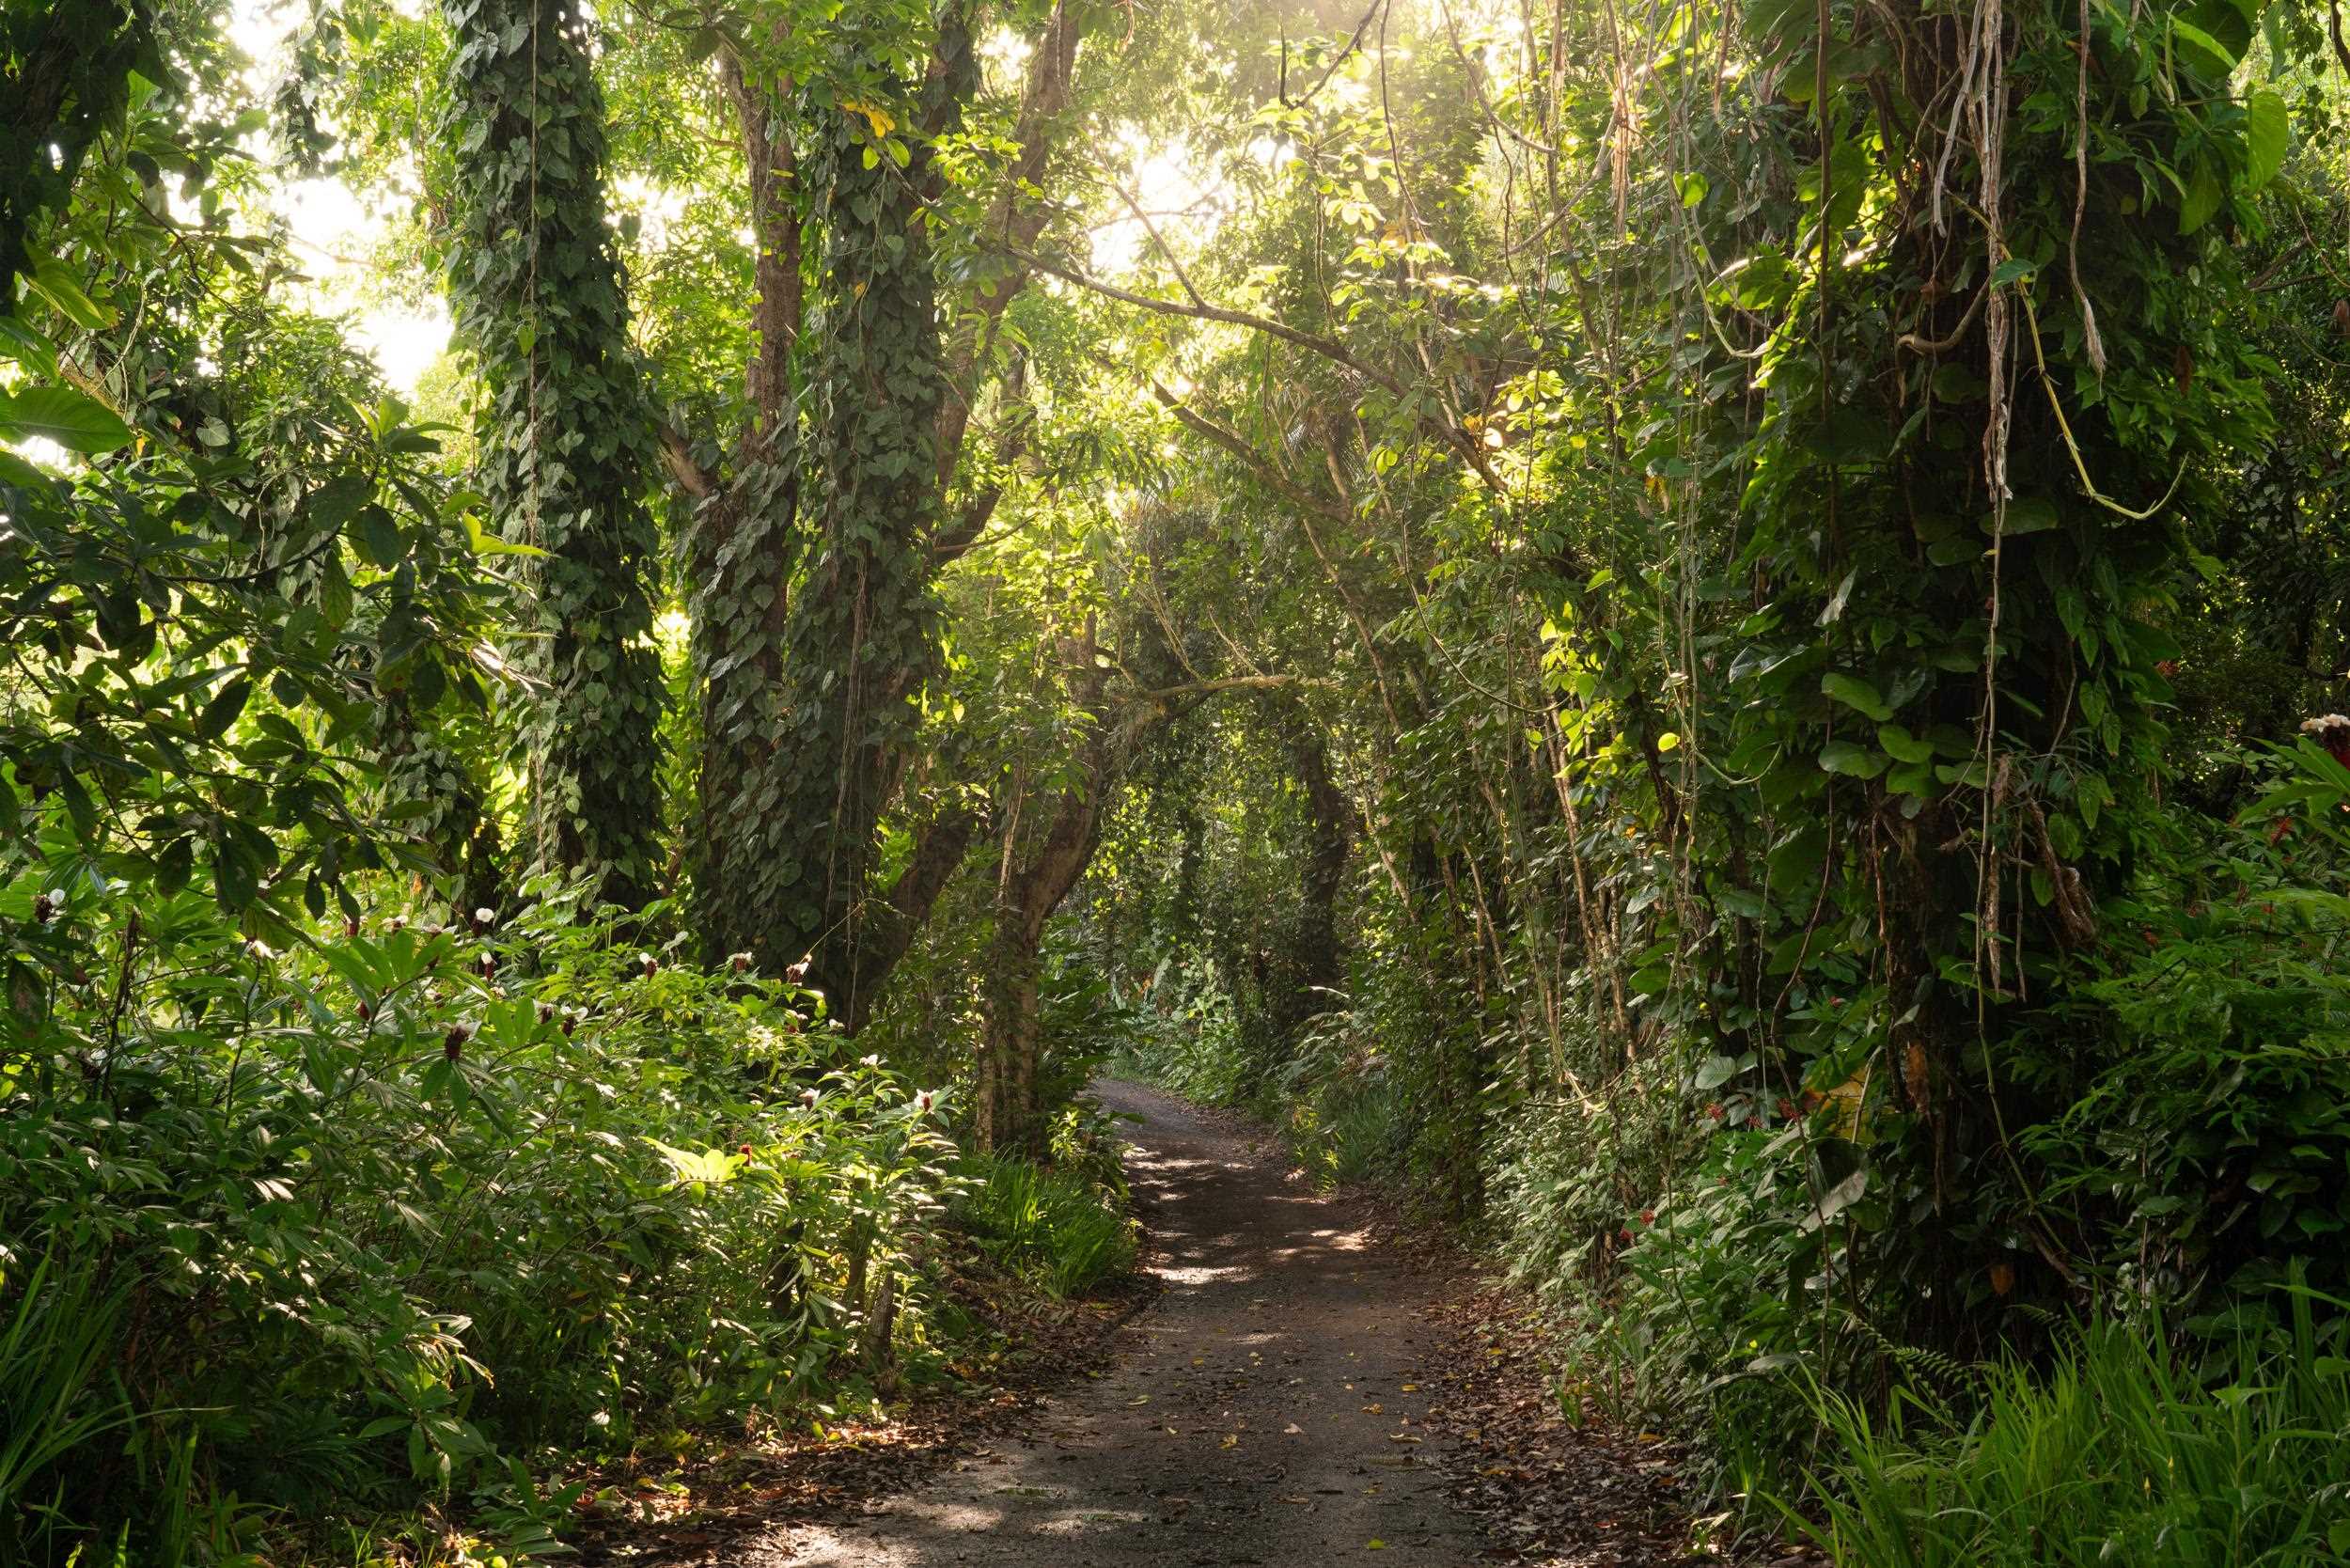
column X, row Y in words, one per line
column 1309, row 1386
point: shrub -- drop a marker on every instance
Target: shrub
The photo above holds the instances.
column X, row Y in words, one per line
column 403, row 1194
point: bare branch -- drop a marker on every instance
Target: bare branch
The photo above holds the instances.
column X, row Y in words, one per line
column 1256, row 461
column 678, row 457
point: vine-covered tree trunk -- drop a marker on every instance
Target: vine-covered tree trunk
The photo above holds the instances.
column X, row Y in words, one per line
column 564, row 435
column 815, row 627
column 1959, row 524
column 860, row 634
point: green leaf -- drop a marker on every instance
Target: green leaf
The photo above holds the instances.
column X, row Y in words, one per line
column 1857, row 761
column 2203, row 192
column 378, row 536
column 225, row 705
column 174, row 866
column 714, row 1167
column 1837, row 1200
column 336, row 502
column 2202, row 53
column 54, row 282
column 486, row 543
column 2026, row 515
column 74, row 422
column 1902, row 746
column 1853, row 692
column 2268, row 132
column 1911, row 778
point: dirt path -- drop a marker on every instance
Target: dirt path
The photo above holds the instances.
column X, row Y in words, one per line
column 1263, row 1411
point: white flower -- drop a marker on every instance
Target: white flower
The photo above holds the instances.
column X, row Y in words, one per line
column 485, row 916
column 868, row 1061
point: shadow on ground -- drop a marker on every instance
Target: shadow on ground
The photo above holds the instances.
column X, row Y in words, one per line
column 1262, row 1412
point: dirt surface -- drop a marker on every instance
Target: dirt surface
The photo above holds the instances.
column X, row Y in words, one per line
column 1267, row 1409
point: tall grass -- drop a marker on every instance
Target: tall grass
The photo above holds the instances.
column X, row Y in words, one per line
column 54, row 1344
column 1051, row 1226
column 2117, row 1454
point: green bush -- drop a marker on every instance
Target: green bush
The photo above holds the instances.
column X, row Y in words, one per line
column 408, row 1194
column 1052, row 1226
column 2113, row 1454
column 2208, row 1147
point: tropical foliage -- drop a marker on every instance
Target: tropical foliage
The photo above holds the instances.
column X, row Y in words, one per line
column 1708, row 639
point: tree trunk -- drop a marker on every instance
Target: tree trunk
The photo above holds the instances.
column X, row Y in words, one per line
column 566, row 435
column 807, row 695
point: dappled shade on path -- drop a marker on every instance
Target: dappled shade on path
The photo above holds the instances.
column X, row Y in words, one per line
column 1263, row 1411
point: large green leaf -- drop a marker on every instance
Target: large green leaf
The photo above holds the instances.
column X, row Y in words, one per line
column 1855, row 760
column 74, row 420
column 2268, row 132
column 1853, row 692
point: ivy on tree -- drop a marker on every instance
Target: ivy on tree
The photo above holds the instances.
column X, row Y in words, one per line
column 564, row 439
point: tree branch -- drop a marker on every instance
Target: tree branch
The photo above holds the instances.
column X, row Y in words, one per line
column 777, row 305
column 1232, row 442
column 678, row 457
column 1016, row 219
column 956, row 540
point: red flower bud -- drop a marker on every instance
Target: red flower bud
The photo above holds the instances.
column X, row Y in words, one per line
column 367, row 1014
column 546, row 1012
column 454, row 1046
column 570, row 1023
column 489, row 964
column 44, row 908
column 350, row 925
column 1623, row 1234
column 747, row 1150
column 1648, row 1216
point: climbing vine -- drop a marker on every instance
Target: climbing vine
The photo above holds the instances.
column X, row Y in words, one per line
column 563, row 428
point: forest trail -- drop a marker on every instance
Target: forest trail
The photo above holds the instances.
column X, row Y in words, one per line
column 1263, row 1410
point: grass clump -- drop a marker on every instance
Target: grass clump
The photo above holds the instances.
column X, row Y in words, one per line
column 1053, row 1227
column 2116, row 1454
